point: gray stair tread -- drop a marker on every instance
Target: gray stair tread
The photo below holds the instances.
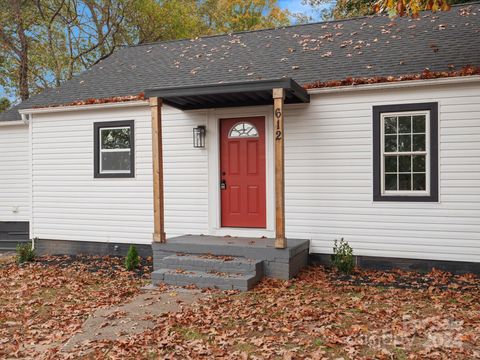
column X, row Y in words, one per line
column 206, row 274
column 212, row 259
column 207, row 262
column 203, row 279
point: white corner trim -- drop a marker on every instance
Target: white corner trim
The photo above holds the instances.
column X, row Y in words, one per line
column 398, row 84
column 53, row 109
column 30, row 168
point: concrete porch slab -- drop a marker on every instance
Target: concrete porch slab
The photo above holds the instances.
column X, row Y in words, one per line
column 278, row 263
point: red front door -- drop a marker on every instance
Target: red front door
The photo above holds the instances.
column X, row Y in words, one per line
column 242, row 172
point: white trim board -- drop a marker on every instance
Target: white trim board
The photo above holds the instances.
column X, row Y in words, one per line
column 62, row 108
column 13, row 123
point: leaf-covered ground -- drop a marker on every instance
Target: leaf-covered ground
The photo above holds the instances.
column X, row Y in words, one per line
column 42, row 304
column 372, row 315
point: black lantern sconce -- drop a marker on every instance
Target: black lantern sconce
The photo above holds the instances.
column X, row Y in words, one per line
column 199, row 136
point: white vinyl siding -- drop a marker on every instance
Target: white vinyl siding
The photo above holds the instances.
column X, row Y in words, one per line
column 328, row 150
column 14, row 173
column 70, row 204
column 185, row 174
column 328, row 165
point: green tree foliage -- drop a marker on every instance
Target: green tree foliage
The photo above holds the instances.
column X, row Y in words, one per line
column 224, row 16
column 17, row 22
column 412, row 7
column 4, row 104
column 151, row 20
column 45, row 42
column 344, row 9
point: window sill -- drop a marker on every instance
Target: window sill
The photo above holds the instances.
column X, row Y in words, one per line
column 114, row 176
column 406, row 198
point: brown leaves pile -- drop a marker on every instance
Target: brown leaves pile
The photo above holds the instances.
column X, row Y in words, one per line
column 320, row 316
column 425, row 75
column 42, row 304
column 93, row 101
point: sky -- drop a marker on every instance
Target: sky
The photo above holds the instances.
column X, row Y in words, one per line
column 297, row 6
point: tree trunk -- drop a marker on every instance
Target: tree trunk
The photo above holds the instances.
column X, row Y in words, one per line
column 23, row 69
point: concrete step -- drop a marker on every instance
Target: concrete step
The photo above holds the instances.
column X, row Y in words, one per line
column 207, row 279
column 208, row 263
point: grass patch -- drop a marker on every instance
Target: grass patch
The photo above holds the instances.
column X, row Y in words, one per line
column 318, row 342
column 399, row 353
column 190, row 334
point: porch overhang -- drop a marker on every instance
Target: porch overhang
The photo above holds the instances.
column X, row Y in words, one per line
column 233, row 94
column 262, row 92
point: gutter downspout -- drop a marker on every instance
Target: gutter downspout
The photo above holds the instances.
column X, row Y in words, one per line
column 27, row 120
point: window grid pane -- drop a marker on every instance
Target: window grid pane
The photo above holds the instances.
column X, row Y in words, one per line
column 115, row 162
column 115, row 138
column 404, row 157
column 115, row 150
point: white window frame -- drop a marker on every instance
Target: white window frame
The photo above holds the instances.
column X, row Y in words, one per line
column 101, row 151
column 427, row 154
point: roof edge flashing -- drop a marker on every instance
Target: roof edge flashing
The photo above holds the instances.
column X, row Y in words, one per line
column 187, row 97
column 230, row 87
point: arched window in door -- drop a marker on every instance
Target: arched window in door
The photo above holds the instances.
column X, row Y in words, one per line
column 243, row 129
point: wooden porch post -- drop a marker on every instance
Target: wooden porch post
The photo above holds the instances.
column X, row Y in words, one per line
column 157, row 154
column 278, row 98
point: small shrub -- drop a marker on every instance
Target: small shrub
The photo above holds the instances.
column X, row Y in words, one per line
column 342, row 257
column 25, row 252
column 132, row 260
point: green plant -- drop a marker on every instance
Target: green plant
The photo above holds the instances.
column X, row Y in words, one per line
column 132, row 260
column 25, row 252
column 342, row 257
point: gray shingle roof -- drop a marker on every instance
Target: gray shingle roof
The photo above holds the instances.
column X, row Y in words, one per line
column 11, row 114
column 361, row 47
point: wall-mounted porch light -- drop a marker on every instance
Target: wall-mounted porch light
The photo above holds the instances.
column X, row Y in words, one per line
column 199, row 136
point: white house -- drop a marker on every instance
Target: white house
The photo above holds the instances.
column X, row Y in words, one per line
column 365, row 129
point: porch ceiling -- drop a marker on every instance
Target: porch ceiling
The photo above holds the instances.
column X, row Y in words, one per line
column 233, row 94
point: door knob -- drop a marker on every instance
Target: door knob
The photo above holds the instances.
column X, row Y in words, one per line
column 223, row 185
